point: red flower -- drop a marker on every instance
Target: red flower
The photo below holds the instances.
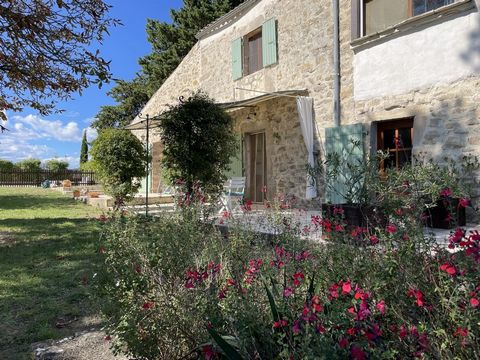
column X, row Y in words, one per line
column 373, row 240
column 463, row 202
column 138, row 269
column 381, row 307
column 403, row 332
column 391, row 228
column 316, row 306
column 296, row 327
column 474, row 302
column 462, row 332
column 247, row 206
column 357, row 353
column 297, row 277
column 107, row 338
column 346, row 287
column 148, row 305
column 337, row 211
column 447, row 192
column 278, row 324
column 231, row 282
column 418, row 295
column 208, row 352
column 343, row 343
column 399, row 212
column 448, row 268
column 338, row 227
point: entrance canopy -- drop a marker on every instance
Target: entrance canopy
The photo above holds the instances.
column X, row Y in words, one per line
column 232, row 106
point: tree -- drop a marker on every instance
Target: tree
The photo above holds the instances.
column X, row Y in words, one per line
column 170, row 42
column 84, row 149
column 56, row 165
column 198, row 142
column 29, row 164
column 119, row 159
column 45, row 48
column 6, row 165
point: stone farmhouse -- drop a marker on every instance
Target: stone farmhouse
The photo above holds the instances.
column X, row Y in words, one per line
column 372, row 70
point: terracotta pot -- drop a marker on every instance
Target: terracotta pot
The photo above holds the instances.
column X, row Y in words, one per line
column 93, row 194
column 76, row 193
column 67, row 183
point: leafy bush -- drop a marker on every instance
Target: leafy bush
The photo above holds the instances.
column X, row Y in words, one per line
column 6, row 165
column 176, row 287
column 119, row 159
column 199, row 142
column 29, row 164
column 56, row 165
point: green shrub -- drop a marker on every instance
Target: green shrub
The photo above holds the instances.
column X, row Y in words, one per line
column 56, row 165
column 199, row 142
column 119, row 159
column 29, row 164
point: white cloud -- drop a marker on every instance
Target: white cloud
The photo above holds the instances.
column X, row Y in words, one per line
column 34, row 127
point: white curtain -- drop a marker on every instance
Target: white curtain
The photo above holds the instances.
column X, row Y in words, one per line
column 305, row 115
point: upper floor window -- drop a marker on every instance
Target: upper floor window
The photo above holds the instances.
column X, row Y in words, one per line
column 255, row 50
column 252, row 51
column 381, row 14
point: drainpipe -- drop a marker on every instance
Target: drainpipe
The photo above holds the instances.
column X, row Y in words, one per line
column 336, row 63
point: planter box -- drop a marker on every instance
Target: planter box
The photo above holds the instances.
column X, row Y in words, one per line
column 357, row 215
column 437, row 215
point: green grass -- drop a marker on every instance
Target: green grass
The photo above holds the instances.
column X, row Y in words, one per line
column 47, row 258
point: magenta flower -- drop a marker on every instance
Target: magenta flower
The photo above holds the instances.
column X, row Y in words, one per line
column 287, row 292
column 391, row 228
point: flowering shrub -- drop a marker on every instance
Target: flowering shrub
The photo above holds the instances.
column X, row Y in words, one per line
column 177, row 287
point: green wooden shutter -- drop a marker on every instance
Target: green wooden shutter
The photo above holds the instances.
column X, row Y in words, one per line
column 237, row 58
column 346, row 141
column 236, row 162
column 269, row 42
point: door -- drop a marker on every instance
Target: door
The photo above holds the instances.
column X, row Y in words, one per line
column 256, row 166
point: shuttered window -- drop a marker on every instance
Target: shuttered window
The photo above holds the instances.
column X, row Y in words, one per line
column 347, row 142
column 236, row 162
column 237, row 58
column 255, row 50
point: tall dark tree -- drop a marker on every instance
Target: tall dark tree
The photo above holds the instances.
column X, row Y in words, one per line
column 170, row 43
column 45, row 51
column 84, row 149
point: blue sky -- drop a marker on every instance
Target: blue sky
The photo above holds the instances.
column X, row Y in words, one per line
column 59, row 135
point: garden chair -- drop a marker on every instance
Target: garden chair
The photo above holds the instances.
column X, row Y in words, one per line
column 233, row 193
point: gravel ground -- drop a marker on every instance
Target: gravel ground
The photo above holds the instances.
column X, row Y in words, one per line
column 88, row 345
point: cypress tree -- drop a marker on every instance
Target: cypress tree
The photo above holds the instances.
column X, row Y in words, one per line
column 84, row 149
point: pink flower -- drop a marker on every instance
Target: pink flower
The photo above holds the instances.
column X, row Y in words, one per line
column 381, row 307
column 474, row 302
column 391, row 228
column 337, row 211
column 373, row 240
column 287, row 292
column 296, row 327
column 403, row 332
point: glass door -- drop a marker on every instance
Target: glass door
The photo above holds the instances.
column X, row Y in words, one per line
column 256, row 167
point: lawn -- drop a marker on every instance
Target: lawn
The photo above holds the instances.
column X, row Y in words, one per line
column 47, row 259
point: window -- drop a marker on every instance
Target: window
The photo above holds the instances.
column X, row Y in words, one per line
column 381, row 14
column 255, row 50
column 396, row 138
column 252, row 51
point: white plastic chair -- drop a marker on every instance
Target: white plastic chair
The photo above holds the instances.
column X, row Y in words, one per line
column 233, row 193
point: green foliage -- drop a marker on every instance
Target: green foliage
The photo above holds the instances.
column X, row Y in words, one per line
column 29, row 164
column 56, row 165
column 88, row 166
column 170, row 43
column 199, row 142
column 394, row 294
column 84, row 149
column 6, row 165
column 119, row 160
column 47, row 51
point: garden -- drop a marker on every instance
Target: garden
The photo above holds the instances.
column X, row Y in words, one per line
column 180, row 286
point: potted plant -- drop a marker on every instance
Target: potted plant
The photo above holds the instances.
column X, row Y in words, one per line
column 348, row 177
